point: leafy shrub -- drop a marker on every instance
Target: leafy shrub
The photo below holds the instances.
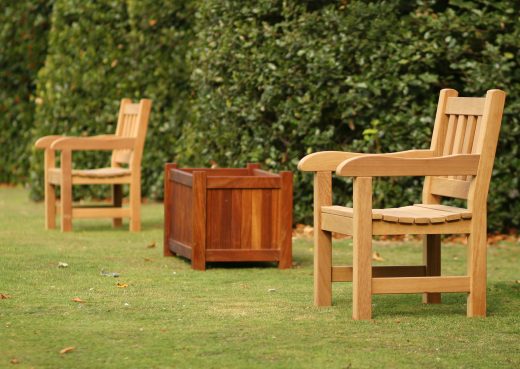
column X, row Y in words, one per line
column 277, row 80
column 84, row 77
column 162, row 32
column 23, row 36
column 270, row 81
column 100, row 52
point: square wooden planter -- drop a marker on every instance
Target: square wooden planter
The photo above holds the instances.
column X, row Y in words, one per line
column 224, row 214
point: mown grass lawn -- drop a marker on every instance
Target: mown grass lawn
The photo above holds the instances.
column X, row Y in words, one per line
column 247, row 316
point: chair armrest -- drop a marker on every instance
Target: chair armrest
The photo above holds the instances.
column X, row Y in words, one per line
column 329, row 160
column 105, row 142
column 46, row 141
column 385, row 166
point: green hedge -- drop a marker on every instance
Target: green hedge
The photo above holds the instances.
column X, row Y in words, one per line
column 162, row 33
column 270, row 81
column 23, row 38
column 85, row 74
column 100, row 52
column 277, row 80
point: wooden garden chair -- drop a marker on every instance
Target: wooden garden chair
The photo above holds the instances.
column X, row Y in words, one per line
column 457, row 165
column 127, row 150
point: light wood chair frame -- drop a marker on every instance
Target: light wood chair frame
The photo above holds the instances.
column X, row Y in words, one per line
column 457, row 165
column 127, row 148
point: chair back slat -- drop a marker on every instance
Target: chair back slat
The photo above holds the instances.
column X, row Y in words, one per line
column 132, row 123
column 469, row 135
column 458, row 141
column 460, row 121
column 450, row 135
column 478, row 127
column 469, row 138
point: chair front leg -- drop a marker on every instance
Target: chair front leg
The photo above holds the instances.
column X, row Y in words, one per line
column 477, row 265
column 50, row 190
column 66, row 190
column 322, row 241
column 362, row 256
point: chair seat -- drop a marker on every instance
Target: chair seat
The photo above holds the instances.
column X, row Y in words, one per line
column 416, row 214
column 89, row 175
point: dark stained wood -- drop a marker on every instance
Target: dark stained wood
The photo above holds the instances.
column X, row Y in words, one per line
column 246, row 219
column 242, row 255
column 236, row 216
column 182, row 213
column 226, row 219
column 227, row 214
column 212, row 219
column 211, row 172
column 198, row 260
column 178, row 248
column 266, row 224
column 256, row 219
column 218, row 224
column 180, row 176
column 243, row 182
column 275, row 220
column 167, row 208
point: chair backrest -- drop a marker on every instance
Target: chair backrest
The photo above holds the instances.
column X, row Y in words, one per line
column 132, row 123
column 465, row 125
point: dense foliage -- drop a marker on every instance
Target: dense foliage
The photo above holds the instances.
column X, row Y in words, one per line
column 84, row 75
column 270, row 81
column 100, row 52
column 162, row 32
column 277, row 80
column 24, row 26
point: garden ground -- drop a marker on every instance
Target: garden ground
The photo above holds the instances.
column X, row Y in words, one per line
column 161, row 314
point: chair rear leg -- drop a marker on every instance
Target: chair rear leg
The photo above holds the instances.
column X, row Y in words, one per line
column 117, row 201
column 477, row 269
column 50, row 206
column 432, row 260
column 135, row 206
column 66, row 191
column 50, row 190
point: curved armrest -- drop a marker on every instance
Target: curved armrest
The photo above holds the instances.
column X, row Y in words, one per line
column 46, row 141
column 383, row 166
column 329, row 160
column 105, row 142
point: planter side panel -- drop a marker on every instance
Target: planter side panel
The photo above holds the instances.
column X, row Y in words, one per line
column 242, row 219
column 182, row 210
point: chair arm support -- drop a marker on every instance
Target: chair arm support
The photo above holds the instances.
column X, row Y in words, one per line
column 385, row 166
column 46, row 141
column 329, row 160
column 105, row 142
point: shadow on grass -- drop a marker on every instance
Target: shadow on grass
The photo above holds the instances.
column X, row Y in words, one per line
column 232, row 265
column 502, row 300
column 105, row 225
column 242, row 264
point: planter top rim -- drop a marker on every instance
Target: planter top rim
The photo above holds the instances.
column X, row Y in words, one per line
column 228, row 172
